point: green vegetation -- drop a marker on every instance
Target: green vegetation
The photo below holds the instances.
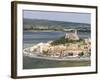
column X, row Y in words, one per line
column 45, row 52
column 38, row 24
column 81, row 54
column 62, row 40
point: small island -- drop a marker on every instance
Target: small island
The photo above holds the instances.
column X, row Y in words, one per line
column 68, row 47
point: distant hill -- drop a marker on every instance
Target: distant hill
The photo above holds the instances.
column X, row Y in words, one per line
column 37, row 24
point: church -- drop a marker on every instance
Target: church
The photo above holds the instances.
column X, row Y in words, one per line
column 72, row 35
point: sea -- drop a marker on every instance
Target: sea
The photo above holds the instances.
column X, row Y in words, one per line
column 31, row 38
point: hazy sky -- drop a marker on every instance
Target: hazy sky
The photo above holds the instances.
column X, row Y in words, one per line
column 58, row 16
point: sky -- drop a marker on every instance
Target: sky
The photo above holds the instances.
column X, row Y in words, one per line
column 58, row 16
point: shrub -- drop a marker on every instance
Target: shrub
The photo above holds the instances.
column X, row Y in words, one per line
column 81, row 54
column 62, row 40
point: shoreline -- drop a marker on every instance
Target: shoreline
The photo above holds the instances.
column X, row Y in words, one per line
column 69, row 30
column 41, row 31
column 55, row 58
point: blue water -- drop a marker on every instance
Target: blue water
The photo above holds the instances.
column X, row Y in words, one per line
column 36, row 37
column 30, row 37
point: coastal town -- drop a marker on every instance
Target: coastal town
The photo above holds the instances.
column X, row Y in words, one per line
column 69, row 46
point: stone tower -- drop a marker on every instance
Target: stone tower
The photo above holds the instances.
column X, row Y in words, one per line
column 72, row 35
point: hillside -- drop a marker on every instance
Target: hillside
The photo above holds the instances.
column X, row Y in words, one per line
column 37, row 24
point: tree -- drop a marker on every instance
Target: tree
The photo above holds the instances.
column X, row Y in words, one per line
column 81, row 54
column 45, row 52
column 70, row 54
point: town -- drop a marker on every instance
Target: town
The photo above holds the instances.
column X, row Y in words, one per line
column 68, row 46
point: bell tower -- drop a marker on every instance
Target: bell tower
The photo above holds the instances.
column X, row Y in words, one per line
column 75, row 31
